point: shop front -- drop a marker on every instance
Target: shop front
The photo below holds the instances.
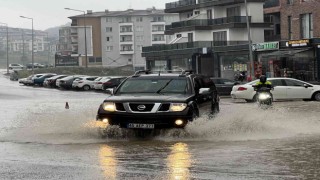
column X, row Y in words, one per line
column 294, row 59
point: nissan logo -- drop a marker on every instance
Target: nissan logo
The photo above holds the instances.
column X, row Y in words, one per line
column 141, row 107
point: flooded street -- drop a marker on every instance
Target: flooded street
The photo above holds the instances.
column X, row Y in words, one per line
column 40, row 139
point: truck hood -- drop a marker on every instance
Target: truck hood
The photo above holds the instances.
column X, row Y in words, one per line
column 149, row 98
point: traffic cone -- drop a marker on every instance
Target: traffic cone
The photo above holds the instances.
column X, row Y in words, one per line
column 67, row 105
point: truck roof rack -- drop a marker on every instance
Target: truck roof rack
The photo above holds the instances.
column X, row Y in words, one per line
column 179, row 71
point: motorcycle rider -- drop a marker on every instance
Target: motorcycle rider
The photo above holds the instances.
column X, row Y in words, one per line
column 263, row 83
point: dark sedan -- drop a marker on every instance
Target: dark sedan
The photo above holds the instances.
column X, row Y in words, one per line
column 66, row 83
column 224, row 86
column 51, row 82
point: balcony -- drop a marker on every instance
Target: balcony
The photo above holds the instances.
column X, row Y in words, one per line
column 271, row 4
column 191, row 45
column 126, row 51
column 182, row 4
column 204, row 24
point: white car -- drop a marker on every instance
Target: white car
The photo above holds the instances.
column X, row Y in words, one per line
column 16, row 66
column 284, row 88
column 84, row 83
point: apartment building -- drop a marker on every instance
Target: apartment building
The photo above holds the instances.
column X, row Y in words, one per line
column 124, row 33
column 211, row 37
column 116, row 38
column 20, row 40
column 297, row 33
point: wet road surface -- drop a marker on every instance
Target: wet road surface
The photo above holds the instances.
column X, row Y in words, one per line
column 40, row 139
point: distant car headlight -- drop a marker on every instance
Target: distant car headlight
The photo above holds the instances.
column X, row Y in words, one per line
column 264, row 96
column 176, row 107
column 109, row 106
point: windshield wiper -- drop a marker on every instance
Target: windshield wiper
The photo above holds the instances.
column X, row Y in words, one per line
column 164, row 86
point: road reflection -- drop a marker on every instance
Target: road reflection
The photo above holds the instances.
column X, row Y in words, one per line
column 108, row 162
column 179, row 162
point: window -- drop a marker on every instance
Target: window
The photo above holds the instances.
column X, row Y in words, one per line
column 289, row 27
column 190, row 37
column 91, row 60
column 108, row 29
column 233, row 11
column 157, row 28
column 306, row 26
column 276, row 82
column 108, row 19
column 209, row 14
column 139, row 38
column 179, row 35
column 220, row 38
column 99, row 59
column 139, row 28
column 158, row 19
column 109, row 48
column 294, row 83
column 157, row 37
column 290, row 2
column 125, row 19
column 139, row 19
column 196, row 12
column 109, row 38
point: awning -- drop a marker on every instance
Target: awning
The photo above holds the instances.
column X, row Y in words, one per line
column 285, row 53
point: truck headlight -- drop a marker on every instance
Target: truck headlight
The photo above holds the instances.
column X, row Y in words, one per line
column 176, row 107
column 109, row 106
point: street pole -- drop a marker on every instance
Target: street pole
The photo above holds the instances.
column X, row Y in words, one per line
column 250, row 43
column 7, row 46
column 32, row 53
column 48, row 48
column 85, row 33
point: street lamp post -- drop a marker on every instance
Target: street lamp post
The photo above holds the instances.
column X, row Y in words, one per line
column 32, row 53
column 7, row 46
column 85, row 32
column 250, row 42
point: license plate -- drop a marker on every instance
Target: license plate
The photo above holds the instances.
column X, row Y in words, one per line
column 142, row 126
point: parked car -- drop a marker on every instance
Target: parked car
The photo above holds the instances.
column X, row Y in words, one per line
column 16, row 66
column 224, row 86
column 156, row 101
column 35, row 65
column 84, row 83
column 112, row 82
column 66, row 82
column 284, row 88
column 103, row 83
column 28, row 81
column 51, row 82
column 38, row 80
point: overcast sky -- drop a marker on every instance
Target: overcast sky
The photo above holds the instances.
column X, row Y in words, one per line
column 50, row 13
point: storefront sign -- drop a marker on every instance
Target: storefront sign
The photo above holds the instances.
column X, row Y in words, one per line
column 265, row 46
column 298, row 43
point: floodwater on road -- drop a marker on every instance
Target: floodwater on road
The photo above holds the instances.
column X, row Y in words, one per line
column 40, row 139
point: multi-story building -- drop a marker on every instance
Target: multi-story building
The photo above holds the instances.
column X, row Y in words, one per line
column 297, row 31
column 116, row 38
column 124, row 33
column 211, row 37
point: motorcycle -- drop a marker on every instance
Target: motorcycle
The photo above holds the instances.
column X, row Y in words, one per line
column 264, row 97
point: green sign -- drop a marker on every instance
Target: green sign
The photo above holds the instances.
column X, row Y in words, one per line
column 265, row 46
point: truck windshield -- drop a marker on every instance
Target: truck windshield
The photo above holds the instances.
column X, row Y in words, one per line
column 143, row 85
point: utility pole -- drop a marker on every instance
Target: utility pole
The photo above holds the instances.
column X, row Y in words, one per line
column 250, row 43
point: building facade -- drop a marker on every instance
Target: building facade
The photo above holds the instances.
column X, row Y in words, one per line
column 116, row 38
column 298, row 52
column 211, row 37
column 124, row 33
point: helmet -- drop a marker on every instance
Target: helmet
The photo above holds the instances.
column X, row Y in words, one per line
column 263, row 78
